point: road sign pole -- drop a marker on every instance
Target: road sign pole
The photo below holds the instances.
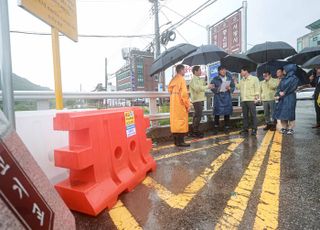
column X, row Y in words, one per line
column 5, row 64
column 244, row 26
column 57, row 68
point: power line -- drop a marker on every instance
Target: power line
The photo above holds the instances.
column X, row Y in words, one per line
column 87, row 35
column 181, row 36
column 184, row 17
column 193, row 13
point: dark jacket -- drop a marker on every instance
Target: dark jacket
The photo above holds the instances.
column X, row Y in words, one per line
column 286, row 107
column 315, row 83
column 222, row 100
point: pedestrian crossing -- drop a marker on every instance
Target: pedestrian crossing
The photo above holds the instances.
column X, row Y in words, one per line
column 267, row 210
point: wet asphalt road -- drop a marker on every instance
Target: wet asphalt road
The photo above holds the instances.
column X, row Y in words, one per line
column 227, row 181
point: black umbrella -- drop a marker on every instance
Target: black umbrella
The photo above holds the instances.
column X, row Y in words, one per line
column 204, row 55
column 303, row 76
column 234, row 63
column 312, row 63
column 269, row 51
column 171, row 56
column 271, row 66
column 304, row 55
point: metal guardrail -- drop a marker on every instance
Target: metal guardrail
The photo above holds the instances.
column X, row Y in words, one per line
column 48, row 95
column 43, row 99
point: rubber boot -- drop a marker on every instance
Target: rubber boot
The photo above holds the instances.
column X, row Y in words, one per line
column 181, row 142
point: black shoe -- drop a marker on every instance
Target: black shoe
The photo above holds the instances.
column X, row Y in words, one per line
column 273, row 128
column 283, row 131
column 253, row 132
column 267, row 127
column 244, row 132
column 290, row 132
column 215, row 129
column 192, row 134
column 316, row 126
column 175, row 140
column 180, row 141
column 199, row 135
column 183, row 144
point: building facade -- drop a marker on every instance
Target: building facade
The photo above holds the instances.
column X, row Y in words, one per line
column 311, row 39
column 134, row 75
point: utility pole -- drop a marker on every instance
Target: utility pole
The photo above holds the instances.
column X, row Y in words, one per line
column 156, row 26
column 157, row 37
column 5, row 64
column 208, row 34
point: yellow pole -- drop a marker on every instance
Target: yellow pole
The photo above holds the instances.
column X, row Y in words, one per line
column 57, row 68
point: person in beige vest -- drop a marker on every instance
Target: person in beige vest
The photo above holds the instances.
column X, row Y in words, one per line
column 249, row 94
column 268, row 89
column 197, row 89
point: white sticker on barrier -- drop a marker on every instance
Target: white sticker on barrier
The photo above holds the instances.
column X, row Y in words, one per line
column 130, row 123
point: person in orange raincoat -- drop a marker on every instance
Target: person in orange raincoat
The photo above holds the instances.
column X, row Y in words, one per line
column 179, row 107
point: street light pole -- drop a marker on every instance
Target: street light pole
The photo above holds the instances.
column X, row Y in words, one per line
column 244, row 26
column 5, row 64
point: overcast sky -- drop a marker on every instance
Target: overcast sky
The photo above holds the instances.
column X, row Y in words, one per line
column 83, row 62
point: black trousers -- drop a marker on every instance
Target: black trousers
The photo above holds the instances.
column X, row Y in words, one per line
column 226, row 120
column 317, row 108
column 249, row 107
column 198, row 109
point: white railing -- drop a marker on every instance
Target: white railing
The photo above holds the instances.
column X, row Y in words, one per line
column 47, row 95
column 43, row 99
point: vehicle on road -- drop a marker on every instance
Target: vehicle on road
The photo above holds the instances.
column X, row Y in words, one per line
column 305, row 94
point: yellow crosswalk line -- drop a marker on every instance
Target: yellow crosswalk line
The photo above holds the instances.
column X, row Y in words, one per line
column 268, row 207
column 181, row 200
column 169, row 155
column 198, row 140
column 122, row 218
column 236, row 206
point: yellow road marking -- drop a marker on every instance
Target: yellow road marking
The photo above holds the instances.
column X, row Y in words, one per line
column 268, row 208
column 169, row 155
column 122, row 218
column 236, row 206
column 200, row 140
column 181, row 200
column 196, row 140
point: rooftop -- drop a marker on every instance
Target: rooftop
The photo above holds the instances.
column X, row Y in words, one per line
column 314, row 26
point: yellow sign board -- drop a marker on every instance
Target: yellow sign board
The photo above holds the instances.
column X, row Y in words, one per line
column 60, row 14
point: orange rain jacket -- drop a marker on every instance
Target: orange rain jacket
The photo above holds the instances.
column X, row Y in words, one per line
column 179, row 105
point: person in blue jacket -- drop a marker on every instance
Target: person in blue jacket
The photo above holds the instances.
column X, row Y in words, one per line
column 223, row 87
column 286, row 100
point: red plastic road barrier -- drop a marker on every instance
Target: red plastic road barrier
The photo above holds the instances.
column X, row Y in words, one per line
column 108, row 154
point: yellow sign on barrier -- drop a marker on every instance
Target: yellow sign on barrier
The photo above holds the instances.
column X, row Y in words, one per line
column 60, row 14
